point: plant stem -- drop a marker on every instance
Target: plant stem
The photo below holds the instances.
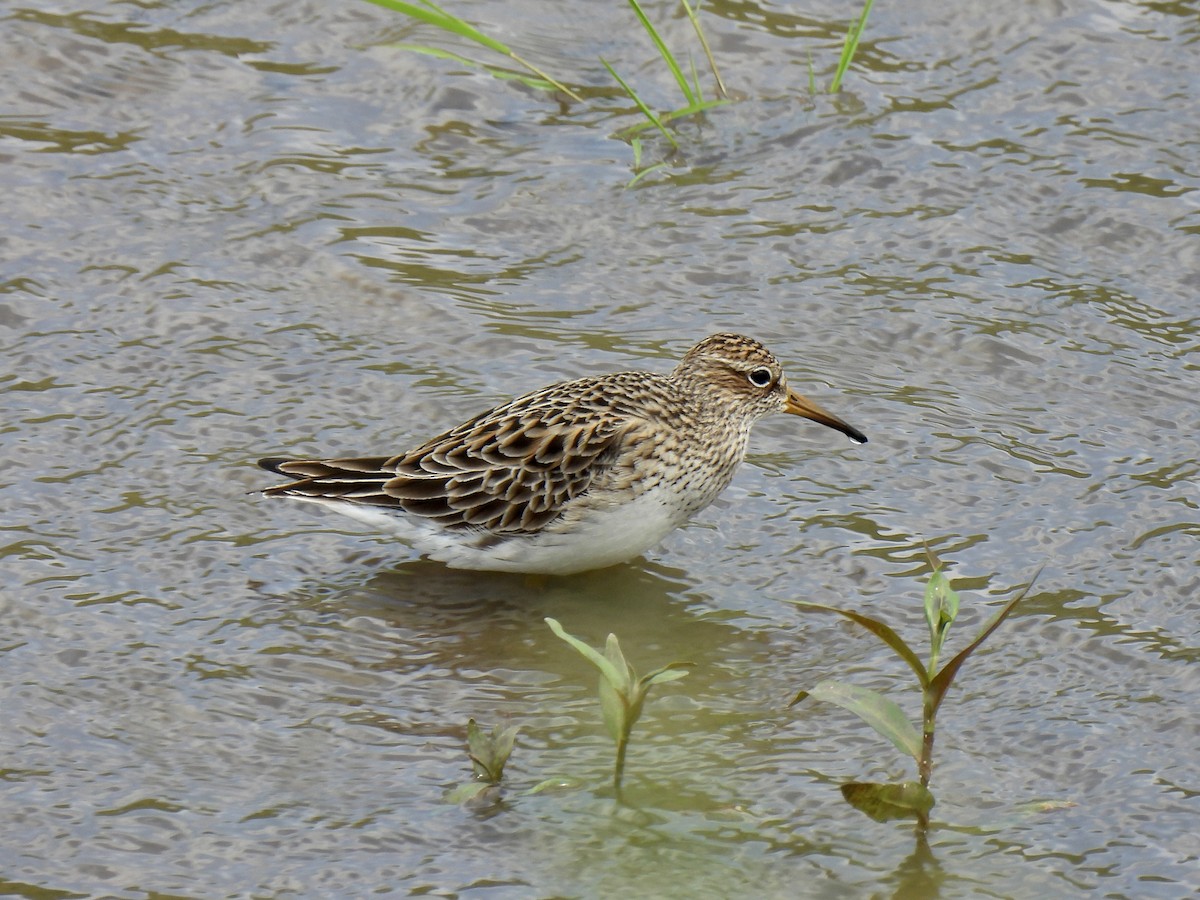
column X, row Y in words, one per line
column 619, row 766
column 929, row 713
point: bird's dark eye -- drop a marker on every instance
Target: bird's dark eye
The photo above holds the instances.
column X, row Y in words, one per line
column 760, row 377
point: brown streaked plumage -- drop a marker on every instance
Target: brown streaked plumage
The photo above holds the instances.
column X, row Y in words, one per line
column 575, row 476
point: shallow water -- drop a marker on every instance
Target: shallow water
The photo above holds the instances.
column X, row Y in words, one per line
column 241, row 229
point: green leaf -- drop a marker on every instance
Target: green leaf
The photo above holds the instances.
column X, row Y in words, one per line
column 474, row 792
column 633, row 711
column 646, row 110
column 554, row 784
column 850, row 47
column 670, row 672
column 694, row 16
column 942, row 681
column 876, row 710
column 642, row 174
column 614, row 705
column 435, row 15
column 612, row 652
column 636, row 145
column 495, row 71
column 881, row 630
column 665, row 53
column 607, row 669
column 489, row 752
column 941, row 604
column 888, row 802
column 477, row 749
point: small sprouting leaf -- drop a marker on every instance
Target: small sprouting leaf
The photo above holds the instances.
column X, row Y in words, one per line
column 636, row 145
column 941, row 607
column 888, row 802
column 503, row 740
column 477, row 749
column 612, row 652
column 876, row 710
column 489, row 751
column 941, row 682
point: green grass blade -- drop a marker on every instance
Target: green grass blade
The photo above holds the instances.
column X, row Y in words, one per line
column 649, row 170
column 683, row 112
column 540, row 74
column 693, row 15
column 664, row 51
column 495, row 71
column 433, row 14
column 646, row 110
column 850, row 47
column 438, row 17
column 700, row 106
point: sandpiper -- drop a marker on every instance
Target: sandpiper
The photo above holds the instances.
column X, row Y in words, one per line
column 575, row 476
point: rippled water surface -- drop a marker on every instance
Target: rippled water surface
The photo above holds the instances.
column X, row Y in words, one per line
column 241, row 229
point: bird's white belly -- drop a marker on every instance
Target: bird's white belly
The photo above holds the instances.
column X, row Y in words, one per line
column 602, row 538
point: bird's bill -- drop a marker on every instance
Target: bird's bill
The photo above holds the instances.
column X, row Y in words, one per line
column 802, row 406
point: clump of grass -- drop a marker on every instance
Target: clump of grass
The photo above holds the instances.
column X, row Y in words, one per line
column 529, row 74
column 622, row 692
column 907, row 799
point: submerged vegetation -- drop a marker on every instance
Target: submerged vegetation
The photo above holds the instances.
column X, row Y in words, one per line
column 517, row 68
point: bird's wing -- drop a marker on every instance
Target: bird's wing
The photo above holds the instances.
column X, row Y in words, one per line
column 509, row 470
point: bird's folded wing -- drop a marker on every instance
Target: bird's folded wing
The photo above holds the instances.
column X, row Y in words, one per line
column 508, row 474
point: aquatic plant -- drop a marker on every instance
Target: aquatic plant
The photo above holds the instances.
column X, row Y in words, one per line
column 429, row 12
column 907, row 799
column 849, row 47
column 622, row 692
column 489, row 753
column 533, row 76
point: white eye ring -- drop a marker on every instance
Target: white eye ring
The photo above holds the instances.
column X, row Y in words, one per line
column 760, row 377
